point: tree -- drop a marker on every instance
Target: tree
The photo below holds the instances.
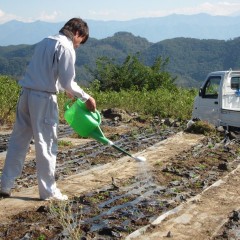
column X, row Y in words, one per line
column 132, row 74
column 9, row 92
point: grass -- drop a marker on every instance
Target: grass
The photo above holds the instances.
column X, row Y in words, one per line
column 63, row 143
column 69, row 217
column 176, row 103
column 160, row 102
column 202, row 127
column 202, row 166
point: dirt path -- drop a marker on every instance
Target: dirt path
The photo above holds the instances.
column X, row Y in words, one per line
column 97, row 177
column 199, row 218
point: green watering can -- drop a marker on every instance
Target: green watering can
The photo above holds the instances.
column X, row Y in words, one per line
column 84, row 122
column 87, row 124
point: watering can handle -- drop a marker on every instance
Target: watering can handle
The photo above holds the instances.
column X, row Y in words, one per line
column 67, row 104
column 96, row 115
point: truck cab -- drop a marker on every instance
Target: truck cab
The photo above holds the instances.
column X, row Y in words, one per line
column 218, row 101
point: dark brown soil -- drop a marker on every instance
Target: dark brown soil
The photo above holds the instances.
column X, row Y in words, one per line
column 123, row 206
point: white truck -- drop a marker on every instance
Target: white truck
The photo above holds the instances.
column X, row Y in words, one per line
column 218, row 101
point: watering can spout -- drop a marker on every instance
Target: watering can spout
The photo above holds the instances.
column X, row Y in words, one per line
column 98, row 135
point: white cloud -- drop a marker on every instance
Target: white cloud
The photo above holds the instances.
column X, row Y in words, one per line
column 106, row 15
column 99, row 13
column 49, row 17
column 220, row 8
column 4, row 17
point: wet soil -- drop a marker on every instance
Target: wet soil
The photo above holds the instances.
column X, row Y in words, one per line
column 125, row 204
column 231, row 229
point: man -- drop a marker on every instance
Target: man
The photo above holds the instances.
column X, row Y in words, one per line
column 52, row 68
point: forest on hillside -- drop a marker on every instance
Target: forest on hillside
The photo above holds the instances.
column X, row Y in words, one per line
column 189, row 59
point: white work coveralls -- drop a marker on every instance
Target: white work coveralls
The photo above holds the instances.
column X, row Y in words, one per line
column 52, row 68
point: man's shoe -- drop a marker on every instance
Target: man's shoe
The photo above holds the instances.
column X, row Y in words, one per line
column 58, row 196
column 5, row 193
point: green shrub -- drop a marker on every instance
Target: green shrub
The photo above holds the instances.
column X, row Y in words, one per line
column 176, row 103
column 202, row 127
column 9, row 92
column 132, row 74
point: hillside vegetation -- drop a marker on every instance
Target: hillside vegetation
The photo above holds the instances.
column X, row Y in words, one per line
column 190, row 60
column 131, row 86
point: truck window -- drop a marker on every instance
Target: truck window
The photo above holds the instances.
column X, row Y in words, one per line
column 235, row 83
column 211, row 88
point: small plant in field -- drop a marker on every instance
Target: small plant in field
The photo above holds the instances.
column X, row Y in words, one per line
column 81, row 154
column 237, row 152
column 125, row 200
column 75, row 135
column 69, row 217
column 103, row 195
column 129, row 229
column 134, row 133
column 198, row 184
column 150, row 130
column 67, row 171
column 94, row 200
column 159, row 163
column 41, row 237
column 164, row 127
column 151, row 209
column 202, row 127
column 212, row 160
column 194, row 176
column 176, row 190
column 63, row 143
column 114, row 137
column 128, row 182
column 210, row 146
column 202, row 166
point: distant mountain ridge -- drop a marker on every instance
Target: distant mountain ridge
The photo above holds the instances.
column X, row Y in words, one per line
column 190, row 60
column 200, row 26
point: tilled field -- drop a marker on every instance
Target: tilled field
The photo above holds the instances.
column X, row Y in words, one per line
column 83, row 157
column 118, row 209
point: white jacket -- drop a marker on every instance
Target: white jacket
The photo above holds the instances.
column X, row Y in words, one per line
column 52, row 67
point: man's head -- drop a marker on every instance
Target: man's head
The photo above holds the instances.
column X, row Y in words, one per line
column 77, row 30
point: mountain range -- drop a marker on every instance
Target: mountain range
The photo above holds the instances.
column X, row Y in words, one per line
column 190, row 59
column 199, row 26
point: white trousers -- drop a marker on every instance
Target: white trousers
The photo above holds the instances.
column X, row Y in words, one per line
column 37, row 117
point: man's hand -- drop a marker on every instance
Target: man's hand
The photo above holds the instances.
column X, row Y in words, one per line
column 91, row 104
column 69, row 95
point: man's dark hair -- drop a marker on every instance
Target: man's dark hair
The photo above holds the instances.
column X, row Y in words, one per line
column 76, row 25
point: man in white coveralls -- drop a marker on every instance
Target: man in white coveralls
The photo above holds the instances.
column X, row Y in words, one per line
column 51, row 69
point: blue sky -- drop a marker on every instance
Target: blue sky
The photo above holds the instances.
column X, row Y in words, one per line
column 62, row 10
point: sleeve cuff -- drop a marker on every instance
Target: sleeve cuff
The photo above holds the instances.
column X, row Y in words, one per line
column 84, row 97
